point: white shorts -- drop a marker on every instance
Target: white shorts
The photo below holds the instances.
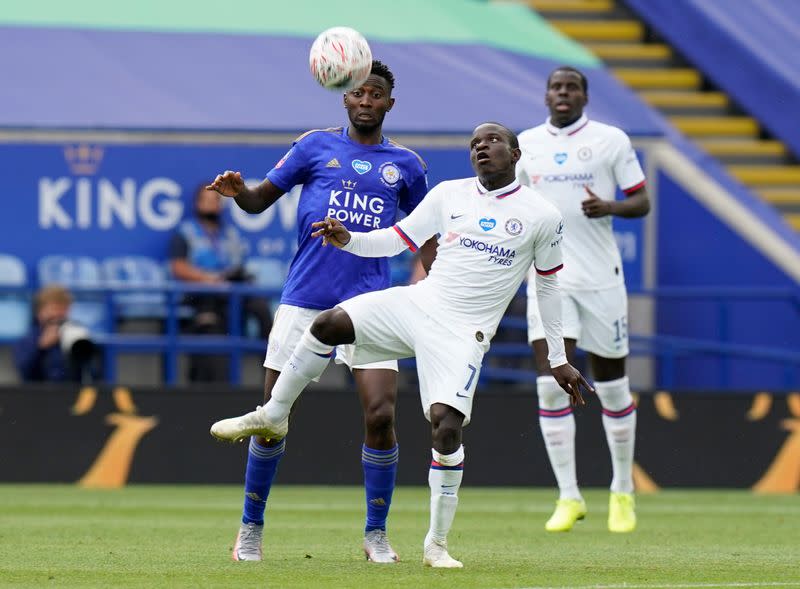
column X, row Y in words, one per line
column 287, row 328
column 388, row 325
column 597, row 319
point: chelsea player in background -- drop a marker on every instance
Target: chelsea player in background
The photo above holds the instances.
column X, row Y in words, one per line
column 357, row 176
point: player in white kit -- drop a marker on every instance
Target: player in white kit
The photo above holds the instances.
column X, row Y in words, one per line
column 491, row 230
column 577, row 164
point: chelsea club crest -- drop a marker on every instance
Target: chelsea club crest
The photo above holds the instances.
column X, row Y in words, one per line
column 513, row 226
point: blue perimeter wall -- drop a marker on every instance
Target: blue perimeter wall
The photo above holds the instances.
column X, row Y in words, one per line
column 694, row 248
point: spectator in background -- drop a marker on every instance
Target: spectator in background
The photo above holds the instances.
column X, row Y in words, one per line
column 208, row 251
column 56, row 350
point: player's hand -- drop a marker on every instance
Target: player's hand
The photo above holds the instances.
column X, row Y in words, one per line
column 332, row 232
column 594, row 206
column 227, row 184
column 569, row 379
column 49, row 336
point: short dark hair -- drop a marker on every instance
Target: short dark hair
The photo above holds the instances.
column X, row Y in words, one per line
column 512, row 137
column 569, row 68
column 381, row 69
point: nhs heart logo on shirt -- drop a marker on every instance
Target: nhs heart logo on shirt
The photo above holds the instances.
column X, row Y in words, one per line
column 361, row 166
column 487, row 224
column 560, row 157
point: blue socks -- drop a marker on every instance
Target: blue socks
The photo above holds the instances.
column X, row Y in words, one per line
column 262, row 464
column 380, row 471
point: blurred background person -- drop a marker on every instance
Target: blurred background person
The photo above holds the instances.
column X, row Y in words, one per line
column 206, row 250
column 56, row 349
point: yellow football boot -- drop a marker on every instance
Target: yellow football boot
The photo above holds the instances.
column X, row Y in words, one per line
column 567, row 512
column 621, row 514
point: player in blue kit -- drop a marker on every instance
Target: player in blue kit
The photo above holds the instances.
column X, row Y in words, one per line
column 357, row 176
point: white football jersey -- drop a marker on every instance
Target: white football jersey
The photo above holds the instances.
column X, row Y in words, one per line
column 560, row 163
column 487, row 242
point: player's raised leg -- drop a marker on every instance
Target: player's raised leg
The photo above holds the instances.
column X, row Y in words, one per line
column 444, row 478
column 619, row 421
column 377, row 390
column 307, row 362
column 558, row 430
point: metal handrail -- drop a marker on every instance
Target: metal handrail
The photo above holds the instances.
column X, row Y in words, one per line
column 171, row 342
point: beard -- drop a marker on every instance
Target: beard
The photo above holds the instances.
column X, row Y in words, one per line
column 366, row 128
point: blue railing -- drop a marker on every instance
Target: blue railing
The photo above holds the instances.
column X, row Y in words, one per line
column 667, row 349
column 671, row 348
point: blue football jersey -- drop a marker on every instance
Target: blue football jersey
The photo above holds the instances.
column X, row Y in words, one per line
column 363, row 186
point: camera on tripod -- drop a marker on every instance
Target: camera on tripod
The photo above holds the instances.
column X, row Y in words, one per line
column 76, row 341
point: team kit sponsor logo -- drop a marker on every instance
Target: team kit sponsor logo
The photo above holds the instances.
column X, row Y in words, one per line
column 503, row 256
column 350, row 207
column 559, row 234
column 361, row 166
column 487, row 224
column 577, row 180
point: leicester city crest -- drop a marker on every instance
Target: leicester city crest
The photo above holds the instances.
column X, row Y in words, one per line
column 390, row 174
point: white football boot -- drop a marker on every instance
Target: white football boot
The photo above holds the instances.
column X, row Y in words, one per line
column 248, row 542
column 377, row 547
column 255, row 423
column 435, row 555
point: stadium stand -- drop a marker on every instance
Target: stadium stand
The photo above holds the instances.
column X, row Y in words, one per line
column 696, row 61
column 141, row 280
column 80, row 274
column 113, row 196
column 15, row 308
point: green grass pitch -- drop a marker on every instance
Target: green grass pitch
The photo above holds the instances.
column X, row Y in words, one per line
column 181, row 536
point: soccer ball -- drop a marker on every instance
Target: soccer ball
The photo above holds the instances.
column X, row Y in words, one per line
column 340, row 59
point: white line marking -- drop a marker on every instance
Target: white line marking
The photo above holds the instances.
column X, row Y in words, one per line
column 673, row 585
column 466, row 507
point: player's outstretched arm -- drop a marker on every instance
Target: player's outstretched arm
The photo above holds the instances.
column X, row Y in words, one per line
column 381, row 243
column 251, row 200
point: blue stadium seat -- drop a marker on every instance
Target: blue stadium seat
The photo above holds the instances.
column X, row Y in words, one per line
column 268, row 272
column 15, row 307
column 76, row 272
column 69, row 271
column 144, row 278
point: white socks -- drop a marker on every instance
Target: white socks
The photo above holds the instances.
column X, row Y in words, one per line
column 444, row 479
column 558, row 430
column 619, row 421
column 307, row 362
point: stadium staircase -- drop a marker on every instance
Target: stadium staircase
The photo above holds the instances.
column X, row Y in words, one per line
column 662, row 79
